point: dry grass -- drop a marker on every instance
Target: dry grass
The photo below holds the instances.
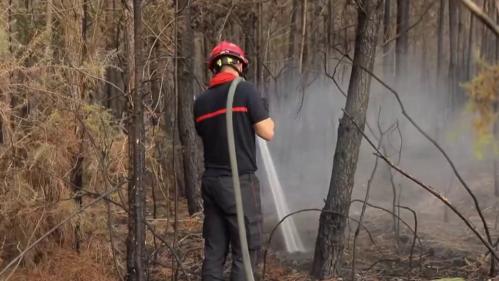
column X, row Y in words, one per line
column 66, row 264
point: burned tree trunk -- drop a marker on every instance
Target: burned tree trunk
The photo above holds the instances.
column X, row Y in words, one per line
column 77, row 171
column 186, row 119
column 290, row 72
column 333, row 221
column 136, row 263
column 330, row 25
column 440, row 41
column 496, row 162
column 387, row 53
column 453, row 22
column 496, row 106
column 113, row 99
column 402, row 43
column 469, row 60
column 259, row 48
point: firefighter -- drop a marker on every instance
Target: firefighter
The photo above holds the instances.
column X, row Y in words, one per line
column 228, row 61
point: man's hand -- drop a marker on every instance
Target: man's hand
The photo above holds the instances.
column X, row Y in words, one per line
column 265, row 129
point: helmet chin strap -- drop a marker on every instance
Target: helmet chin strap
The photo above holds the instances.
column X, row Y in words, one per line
column 241, row 73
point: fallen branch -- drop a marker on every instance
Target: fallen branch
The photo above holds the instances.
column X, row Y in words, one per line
column 269, row 240
column 414, row 231
column 272, row 232
column 172, row 250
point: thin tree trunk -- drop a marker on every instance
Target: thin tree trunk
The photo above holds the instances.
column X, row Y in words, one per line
column 77, row 172
column 486, row 20
column 49, row 29
column 315, row 45
column 186, row 119
column 453, row 52
column 459, row 42
column 440, row 42
column 259, row 47
column 496, row 161
column 114, row 100
column 330, row 34
column 402, row 43
column 293, row 44
column 497, row 37
column 484, row 34
column 330, row 240
column 387, row 54
column 136, row 263
column 346, row 46
column 469, row 59
column 425, row 74
column 303, row 34
column 5, row 119
column 496, row 106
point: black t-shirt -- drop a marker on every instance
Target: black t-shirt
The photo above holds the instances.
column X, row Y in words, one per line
column 209, row 115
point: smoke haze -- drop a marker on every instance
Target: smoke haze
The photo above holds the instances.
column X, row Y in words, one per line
column 306, row 132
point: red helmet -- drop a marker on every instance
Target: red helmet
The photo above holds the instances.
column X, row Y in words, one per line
column 229, row 49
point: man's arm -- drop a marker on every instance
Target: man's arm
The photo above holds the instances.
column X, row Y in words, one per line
column 259, row 114
column 265, row 129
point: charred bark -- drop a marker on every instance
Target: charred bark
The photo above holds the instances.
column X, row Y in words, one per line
column 330, row 34
column 453, row 51
column 440, row 41
column 77, row 184
column 330, row 240
column 136, row 262
column 185, row 115
column 496, row 110
column 259, row 48
column 77, row 172
column 402, row 43
column 113, row 98
column 387, row 53
column 496, row 162
column 468, row 59
column 293, row 42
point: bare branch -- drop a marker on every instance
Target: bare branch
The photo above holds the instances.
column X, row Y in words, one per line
column 435, row 143
column 428, row 188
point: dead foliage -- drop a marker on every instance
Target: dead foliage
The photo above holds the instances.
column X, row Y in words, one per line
column 66, row 264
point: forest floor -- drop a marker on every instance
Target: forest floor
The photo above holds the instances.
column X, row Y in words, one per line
column 445, row 249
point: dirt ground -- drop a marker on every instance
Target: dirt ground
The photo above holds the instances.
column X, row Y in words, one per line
column 445, row 246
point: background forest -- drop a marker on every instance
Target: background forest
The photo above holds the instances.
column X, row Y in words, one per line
column 98, row 150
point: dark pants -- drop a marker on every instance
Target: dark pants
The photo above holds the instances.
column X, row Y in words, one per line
column 220, row 225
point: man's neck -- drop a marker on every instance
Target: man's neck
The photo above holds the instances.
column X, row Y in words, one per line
column 230, row 70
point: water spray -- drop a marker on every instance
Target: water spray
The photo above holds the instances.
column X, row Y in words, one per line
column 292, row 239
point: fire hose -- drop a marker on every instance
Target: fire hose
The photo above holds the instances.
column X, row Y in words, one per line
column 235, row 180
